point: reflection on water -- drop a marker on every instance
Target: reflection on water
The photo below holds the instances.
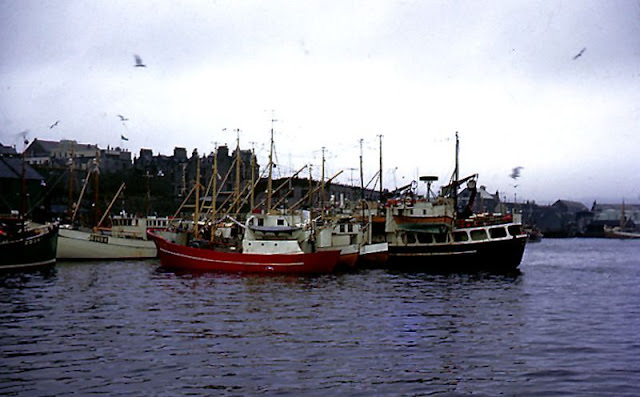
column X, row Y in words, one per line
column 565, row 325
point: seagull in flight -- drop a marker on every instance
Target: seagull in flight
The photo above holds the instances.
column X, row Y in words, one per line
column 578, row 55
column 515, row 173
column 54, row 124
column 139, row 63
column 122, row 118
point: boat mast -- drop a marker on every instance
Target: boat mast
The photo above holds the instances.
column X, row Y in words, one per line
column 361, row 181
column 315, row 189
column 270, row 177
column 236, row 188
column 310, row 187
column 71, row 209
column 147, row 198
column 77, row 204
column 253, row 177
column 380, row 137
column 214, row 194
column 361, row 173
column 456, row 176
column 322, row 186
column 23, row 189
column 285, row 183
column 106, row 212
column 196, row 212
column 96, row 181
column 214, row 182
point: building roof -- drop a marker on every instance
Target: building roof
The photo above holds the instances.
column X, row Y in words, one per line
column 11, row 168
column 484, row 195
column 571, row 206
column 40, row 147
column 7, row 150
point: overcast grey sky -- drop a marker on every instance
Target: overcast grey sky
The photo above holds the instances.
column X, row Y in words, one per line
column 552, row 86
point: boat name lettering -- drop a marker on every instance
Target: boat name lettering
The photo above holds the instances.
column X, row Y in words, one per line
column 99, row 239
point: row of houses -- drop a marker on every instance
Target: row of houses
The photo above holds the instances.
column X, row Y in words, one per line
column 566, row 218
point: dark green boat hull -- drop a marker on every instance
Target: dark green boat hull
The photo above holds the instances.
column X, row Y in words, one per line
column 31, row 251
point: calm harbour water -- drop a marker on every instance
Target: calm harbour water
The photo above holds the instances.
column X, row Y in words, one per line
column 567, row 325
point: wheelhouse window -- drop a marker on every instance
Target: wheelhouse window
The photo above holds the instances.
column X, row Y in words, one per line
column 477, row 235
column 460, row 236
column 498, row 232
column 440, row 237
column 515, row 230
column 409, row 238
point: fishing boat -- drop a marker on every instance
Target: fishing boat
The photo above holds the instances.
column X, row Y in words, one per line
column 341, row 233
column 24, row 245
column 127, row 241
column 534, row 235
column 177, row 256
column 493, row 242
column 432, row 234
column 267, row 242
column 271, row 243
column 76, row 244
column 344, row 226
column 625, row 230
column 618, row 232
column 373, row 254
column 352, row 237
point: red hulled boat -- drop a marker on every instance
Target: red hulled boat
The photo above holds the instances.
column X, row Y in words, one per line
column 179, row 256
